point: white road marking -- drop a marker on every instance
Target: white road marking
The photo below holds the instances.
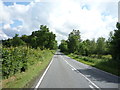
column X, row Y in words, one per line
column 83, row 75
column 73, row 69
column 91, row 87
column 38, row 84
column 70, row 65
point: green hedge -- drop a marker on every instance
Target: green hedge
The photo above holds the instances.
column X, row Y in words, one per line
column 18, row 59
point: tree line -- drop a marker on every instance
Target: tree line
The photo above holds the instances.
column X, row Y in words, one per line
column 99, row 47
column 19, row 53
column 43, row 38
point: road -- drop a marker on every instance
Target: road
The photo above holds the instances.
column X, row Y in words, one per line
column 64, row 72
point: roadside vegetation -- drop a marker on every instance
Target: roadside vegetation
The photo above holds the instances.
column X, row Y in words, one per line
column 25, row 57
column 101, row 53
column 105, row 64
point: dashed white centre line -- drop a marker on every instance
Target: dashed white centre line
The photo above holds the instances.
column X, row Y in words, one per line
column 91, row 86
column 70, row 65
column 73, row 68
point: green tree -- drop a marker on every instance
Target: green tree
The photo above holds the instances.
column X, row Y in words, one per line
column 84, row 47
column 16, row 41
column 34, row 41
column 63, row 46
column 7, row 43
column 101, row 46
column 73, row 41
column 87, row 47
column 115, row 43
column 81, row 49
column 43, row 38
column 26, row 39
column 93, row 46
column 108, row 43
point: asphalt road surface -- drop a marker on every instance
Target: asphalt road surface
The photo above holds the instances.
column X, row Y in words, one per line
column 64, row 72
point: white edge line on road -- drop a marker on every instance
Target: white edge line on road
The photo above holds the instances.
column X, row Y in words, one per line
column 44, row 74
column 82, row 75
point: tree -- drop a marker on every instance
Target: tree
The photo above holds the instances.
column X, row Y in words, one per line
column 26, row 39
column 16, row 41
column 63, row 46
column 54, row 45
column 84, row 47
column 87, row 47
column 115, row 43
column 43, row 38
column 93, row 46
column 7, row 43
column 101, row 46
column 108, row 43
column 34, row 41
column 73, row 41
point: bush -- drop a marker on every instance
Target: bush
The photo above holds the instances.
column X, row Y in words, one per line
column 14, row 60
column 18, row 59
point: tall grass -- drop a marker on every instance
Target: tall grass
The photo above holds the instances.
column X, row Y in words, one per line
column 104, row 63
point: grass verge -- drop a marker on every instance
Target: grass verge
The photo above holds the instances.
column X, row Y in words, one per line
column 22, row 80
column 104, row 64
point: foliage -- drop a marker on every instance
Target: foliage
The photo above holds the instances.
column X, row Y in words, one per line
column 37, row 62
column 101, row 46
column 43, row 38
column 115, row 44
column 63, row 46
column 74, row 44
column 98, row 52
column 16, row 59
column 105, row 63
column 73, row 41
column 87, row 47
column 16, row 41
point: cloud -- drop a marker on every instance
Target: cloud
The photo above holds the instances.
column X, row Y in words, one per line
column 93, row 19
column 6, row 26
column 3, row 36
column 119, row 11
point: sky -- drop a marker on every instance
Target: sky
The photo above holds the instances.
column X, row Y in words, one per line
column 94, row 18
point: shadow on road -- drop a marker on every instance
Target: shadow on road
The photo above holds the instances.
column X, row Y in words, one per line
column 59, row 54
column 96, row 75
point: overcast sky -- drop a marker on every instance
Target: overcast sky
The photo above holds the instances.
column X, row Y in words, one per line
column 94, row 18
